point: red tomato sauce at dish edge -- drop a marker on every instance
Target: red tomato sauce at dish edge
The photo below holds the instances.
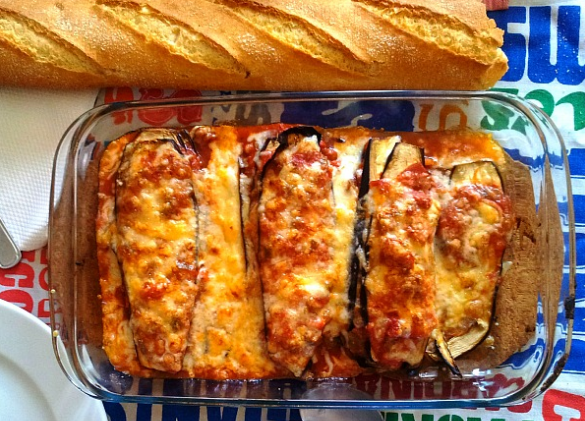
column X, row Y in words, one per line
column 446, row 148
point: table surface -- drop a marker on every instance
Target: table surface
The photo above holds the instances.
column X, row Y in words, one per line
column 534, row 35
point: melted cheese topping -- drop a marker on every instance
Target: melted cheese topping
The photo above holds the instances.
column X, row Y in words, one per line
column 349, row 146
column 297, row 231
column 400, row 283
column 118, row 339
column 156, row 248
column 227, row 337
column 471, row 238
column 330, row 359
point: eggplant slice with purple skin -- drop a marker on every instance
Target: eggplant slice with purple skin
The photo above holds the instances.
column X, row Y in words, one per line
column 376, row 156
column 402, row 212
column 472, row 235
column 156, row 218
column 297, row 224
column 226, row 340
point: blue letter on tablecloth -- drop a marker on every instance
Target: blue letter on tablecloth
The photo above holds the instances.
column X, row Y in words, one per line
column 180, row 413
column 514, row 44
column 221, row 414
column 567, row 69
column 115, row 411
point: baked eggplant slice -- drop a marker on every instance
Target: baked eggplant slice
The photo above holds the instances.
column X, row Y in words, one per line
column 345, row 147
column 472, row 235
column 118, row 340
column 156, row 221
column 400, row 286
column 375, row 158
column 297, row 263
column 227, row 338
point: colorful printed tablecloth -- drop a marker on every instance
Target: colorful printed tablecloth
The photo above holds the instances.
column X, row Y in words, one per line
column 545, row 45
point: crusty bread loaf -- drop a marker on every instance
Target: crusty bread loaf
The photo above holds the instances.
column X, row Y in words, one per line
column 250, row 45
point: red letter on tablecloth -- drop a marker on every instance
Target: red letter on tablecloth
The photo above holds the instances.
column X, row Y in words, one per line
column 21, row 276
column 155, row 116
column 44, row 259
column 116, row 95
column 28, row 256
column 43, row 279
column 557, row 398
column 21, row 298
column 521, row 409
column 188, row 115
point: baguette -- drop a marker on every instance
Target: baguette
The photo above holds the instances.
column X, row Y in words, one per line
column 250, row 45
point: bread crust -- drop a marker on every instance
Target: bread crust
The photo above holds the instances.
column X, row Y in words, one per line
column 251, row 44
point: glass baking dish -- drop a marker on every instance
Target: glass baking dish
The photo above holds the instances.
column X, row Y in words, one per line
column 525, row 132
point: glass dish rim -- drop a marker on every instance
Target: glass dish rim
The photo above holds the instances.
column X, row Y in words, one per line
column 532, row 389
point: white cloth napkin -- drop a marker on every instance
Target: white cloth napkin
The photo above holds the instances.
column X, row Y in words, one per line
column 32, row 123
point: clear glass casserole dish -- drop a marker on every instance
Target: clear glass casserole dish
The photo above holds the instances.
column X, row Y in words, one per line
column 525, row 132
